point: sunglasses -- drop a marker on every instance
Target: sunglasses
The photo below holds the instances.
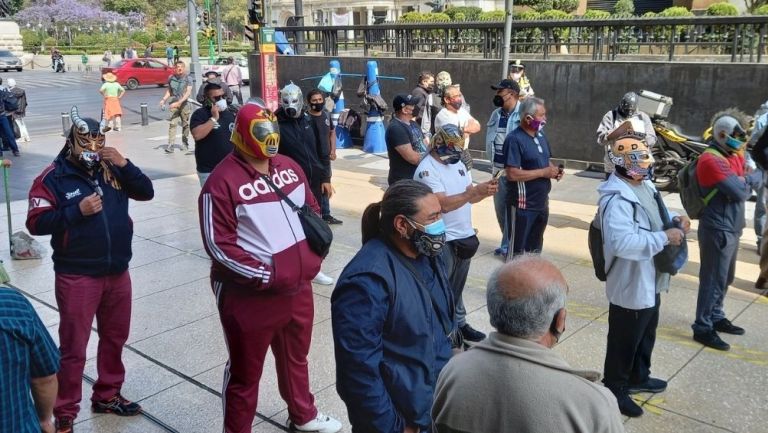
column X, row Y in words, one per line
column 217, row 98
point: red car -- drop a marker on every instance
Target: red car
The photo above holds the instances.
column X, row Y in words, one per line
column 133, row 73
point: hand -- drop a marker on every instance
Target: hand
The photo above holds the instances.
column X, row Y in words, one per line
column 327, row 189
column 410, row 429
column 174, row 106
column 675, row 236
column 90, row 205
column 111, row 155
column 47, row 426
column 332, row 156
column 551, row 172
column 685, row 223
column 6, row 162
column 161, row 103
column 215, row 112
column 485, row 189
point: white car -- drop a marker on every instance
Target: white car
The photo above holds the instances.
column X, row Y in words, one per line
column 220, row 64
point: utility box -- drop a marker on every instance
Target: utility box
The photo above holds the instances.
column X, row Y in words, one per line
column 654, row 105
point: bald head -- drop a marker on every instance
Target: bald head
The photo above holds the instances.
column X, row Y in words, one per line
column 524, row 295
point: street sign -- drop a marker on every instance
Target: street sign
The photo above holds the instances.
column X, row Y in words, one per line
column 269, row 86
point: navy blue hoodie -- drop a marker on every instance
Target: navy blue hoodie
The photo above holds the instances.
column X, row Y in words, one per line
column 94, row 245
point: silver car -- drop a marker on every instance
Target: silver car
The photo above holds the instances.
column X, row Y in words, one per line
column 8, row 61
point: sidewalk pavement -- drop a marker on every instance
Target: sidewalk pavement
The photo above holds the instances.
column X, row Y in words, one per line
column 175, row 353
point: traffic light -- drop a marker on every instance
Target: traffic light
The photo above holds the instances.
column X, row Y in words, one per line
column 256, row 12
column 206, row 18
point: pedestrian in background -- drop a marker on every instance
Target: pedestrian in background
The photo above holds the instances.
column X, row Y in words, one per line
column 325, row 134
column 178, row 92
column 21, row 112
column 455, row 113
column 107, row 59
column 406, row 145
column 169, row 55
column 84, row 61
column 233, row 78
column 211, row 126
column 517, row 74
column 112, row 92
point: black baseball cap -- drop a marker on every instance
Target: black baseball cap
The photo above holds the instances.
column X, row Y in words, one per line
column 403, row 100
column 507, row 84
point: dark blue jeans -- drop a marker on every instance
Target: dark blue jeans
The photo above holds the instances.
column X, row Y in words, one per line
column 6, row 130
column 325, row 205
column 528, row 226
column 718, row 250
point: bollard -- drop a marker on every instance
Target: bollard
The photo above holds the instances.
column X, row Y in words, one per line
column 144, row 114
column 65, row 125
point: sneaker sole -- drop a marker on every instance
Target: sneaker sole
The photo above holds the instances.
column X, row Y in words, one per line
column 100, row 410
column 641, row 390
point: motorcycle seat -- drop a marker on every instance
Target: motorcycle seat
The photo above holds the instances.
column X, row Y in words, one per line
column 687, row 136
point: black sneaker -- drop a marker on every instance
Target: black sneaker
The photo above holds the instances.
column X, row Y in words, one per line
column 16, row 153
column 627, row 406
column 471, row 334
column 331, row 220
column 169, row 148
column 711, row 339
column 725, row 325
column 651, row 385
column 64, row 425
column 116, row 405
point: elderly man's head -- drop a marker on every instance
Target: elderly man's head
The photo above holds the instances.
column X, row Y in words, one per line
column 526, row 299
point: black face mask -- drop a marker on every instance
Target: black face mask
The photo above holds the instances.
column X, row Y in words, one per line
column 498, row 101
column 430, row 88
column 317, row 106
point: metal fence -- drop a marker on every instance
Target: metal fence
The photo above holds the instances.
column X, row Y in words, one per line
column 734, row 39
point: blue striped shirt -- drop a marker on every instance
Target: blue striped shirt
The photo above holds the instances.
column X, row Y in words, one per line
column 26, row 351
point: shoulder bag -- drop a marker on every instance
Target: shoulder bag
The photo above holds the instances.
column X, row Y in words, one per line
column 673, row 257
column 318, row 233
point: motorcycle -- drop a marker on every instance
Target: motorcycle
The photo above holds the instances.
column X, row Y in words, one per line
column 672, row 151
column 58, row 65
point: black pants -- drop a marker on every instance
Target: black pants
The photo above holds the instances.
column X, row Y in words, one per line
column 631, row 337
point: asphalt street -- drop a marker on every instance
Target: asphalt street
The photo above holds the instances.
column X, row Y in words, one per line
column 49, row 94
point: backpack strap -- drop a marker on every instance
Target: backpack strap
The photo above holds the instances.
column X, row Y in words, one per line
column 634, row 219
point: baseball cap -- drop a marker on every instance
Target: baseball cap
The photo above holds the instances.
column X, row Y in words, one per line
column 211, row 72
column 403, row 100
column 507, row 84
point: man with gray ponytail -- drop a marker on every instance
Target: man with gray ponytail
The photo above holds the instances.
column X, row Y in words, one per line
column 392, row 313
column 541, row 392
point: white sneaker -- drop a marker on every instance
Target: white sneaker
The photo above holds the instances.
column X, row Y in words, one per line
column 322, row 279
column 321, row 424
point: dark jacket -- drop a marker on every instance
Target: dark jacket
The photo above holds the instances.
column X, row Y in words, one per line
column 297, row 141
column 725, row 210
column 94, row 245
column 390, row 337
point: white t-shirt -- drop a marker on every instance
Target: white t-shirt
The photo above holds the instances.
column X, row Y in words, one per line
column 450, row 179
column 459, row 118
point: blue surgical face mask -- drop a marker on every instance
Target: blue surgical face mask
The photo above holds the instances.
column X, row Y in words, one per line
column 733, row 143
column 428, row 239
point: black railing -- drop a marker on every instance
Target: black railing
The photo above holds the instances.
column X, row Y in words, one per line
column 734, row 39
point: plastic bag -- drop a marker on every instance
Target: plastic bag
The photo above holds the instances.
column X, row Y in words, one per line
column 25, row 247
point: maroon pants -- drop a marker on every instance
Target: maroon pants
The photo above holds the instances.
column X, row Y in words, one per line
column 252, row 323
column 80, row 298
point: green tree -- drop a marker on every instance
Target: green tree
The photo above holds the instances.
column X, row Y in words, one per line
column 762, row 10
column 675, row 11
column 471, row 13
column 593, row 14
column 624, row 8
column 126, row 6
column 566, row 5
column 492, row 16
column 754, row 5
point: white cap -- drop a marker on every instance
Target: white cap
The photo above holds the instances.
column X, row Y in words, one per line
column 11, row 82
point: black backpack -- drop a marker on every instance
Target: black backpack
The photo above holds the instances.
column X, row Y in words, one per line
column 10, row 102
column 759, row 153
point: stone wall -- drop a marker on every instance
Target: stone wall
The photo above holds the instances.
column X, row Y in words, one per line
column 578, row 93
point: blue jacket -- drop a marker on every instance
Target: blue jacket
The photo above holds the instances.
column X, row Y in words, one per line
column 390, row 342
column 93, row 245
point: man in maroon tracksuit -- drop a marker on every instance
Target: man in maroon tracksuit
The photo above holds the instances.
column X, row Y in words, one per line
column 82, row 201
column 261, row 272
